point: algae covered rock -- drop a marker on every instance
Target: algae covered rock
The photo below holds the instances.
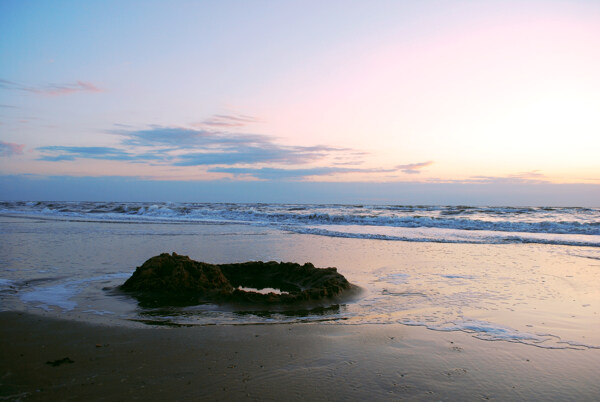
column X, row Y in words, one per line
column 177, row 273
column 297, row 282
column 177, row 279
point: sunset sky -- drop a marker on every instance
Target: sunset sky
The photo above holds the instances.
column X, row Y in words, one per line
column 437, row 102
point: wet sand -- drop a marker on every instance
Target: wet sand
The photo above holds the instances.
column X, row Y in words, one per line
column 312, row 361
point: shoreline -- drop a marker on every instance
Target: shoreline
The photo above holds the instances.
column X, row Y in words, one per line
column 59, row 310
column 280, row 361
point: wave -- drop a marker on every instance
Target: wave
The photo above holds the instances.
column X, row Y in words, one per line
column 437, row 235
column 489, row 331
column 507, row 224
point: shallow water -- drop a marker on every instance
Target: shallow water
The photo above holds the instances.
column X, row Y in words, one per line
column 537, row 294
column 418, row 223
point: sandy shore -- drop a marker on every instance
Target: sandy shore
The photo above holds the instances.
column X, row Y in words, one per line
column 279, row 362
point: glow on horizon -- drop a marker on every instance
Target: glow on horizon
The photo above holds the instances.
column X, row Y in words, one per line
column 364, row 92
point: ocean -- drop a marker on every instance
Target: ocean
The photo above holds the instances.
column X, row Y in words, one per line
column 518, row 274
column 444, row 224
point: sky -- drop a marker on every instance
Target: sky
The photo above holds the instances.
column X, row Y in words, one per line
column 430, row 102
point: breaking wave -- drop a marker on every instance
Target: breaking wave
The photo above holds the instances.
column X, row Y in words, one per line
column 451, row 224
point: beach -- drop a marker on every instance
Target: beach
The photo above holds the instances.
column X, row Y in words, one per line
column 300, row 200
column 280, row 362
column 432, row 320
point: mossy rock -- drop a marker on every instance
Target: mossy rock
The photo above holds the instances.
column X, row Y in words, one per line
column 176, row 279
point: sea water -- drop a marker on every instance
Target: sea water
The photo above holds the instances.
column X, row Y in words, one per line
column 527, row 275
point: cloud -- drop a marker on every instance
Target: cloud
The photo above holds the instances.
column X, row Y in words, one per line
column 51, row 89
column 10, row 148
column 59, row 153
column 279, row 174
column 5, row 84
column 185, row 138
column 203, row 147
column 413, row 168
column 242, row 155
column 227, row 120
column 124, row 126
column 267, row 173
column 188, row 147
column 533, row 176
column 247, row 155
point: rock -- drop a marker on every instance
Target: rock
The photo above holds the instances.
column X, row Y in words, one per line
column 177, row 279
column 177, row 273
column 299, row 282
column 59, row 362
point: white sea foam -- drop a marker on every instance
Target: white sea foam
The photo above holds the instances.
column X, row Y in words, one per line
column 459, row 276
column 6, row 284
column 430, row 287
column 461, row 224
column 442, row 235
column 492, row 332
column 61, row 295
column 396, row 278
column 57, row 295
column 99, row 312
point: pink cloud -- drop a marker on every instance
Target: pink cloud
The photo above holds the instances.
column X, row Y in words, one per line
column 52, row 89
column 56, row 90
column 10, row 148
column 414, row 168
column 226, row 120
